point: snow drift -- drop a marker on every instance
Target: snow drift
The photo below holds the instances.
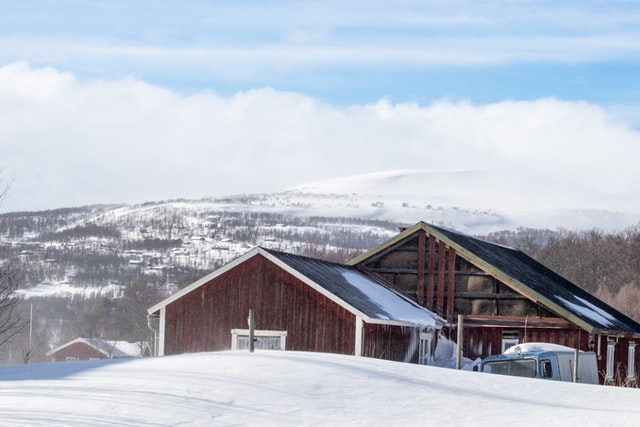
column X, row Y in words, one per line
column 297, row 389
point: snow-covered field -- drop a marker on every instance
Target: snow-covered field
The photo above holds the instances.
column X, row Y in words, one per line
column 295, row 389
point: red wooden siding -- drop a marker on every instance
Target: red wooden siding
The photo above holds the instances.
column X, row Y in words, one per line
column 484, row 340
column 202, row 320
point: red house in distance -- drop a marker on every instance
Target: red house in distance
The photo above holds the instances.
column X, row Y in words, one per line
column 98, row 348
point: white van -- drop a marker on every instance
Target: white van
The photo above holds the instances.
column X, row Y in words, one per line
column 544, row 360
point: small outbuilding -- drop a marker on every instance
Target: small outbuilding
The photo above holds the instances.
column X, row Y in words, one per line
column 301, row 304
column 98, row 348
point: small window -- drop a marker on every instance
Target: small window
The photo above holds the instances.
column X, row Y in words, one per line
column 510, row 337
column 507, row 343
column 265, row 340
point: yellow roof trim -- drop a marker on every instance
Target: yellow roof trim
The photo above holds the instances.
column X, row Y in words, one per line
column 404, row 234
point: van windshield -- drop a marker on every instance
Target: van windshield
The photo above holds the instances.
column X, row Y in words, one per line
column 516, row 368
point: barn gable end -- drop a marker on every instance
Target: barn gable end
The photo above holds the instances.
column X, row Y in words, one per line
column 203, row 319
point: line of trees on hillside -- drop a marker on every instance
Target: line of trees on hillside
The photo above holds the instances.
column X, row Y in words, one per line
column 17, row 224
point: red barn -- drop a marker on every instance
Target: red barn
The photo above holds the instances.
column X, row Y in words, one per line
column 301, row 304
column 504, row 296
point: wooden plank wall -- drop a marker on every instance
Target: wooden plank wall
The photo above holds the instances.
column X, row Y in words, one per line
column 420, row 269
column 203, row 319
column 391, row 343
column 432, row 274
column 621, row 361
column 485, row 340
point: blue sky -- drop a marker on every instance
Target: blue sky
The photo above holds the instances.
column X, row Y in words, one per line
column 341, row 52
column 322, row 60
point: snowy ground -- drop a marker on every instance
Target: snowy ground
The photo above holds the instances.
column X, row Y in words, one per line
column 295, row 389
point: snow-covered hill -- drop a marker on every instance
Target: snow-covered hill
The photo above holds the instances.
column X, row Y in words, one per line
column 100, row 249
column 350, row 214
column 478, row 202
column 295, row 389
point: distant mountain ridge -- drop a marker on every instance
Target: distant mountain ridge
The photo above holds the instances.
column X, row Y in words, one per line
column 476, row 202
column 473, row 202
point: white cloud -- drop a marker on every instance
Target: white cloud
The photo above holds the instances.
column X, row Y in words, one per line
column 67, row 141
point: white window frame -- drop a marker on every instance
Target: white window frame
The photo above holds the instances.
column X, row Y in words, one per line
column 235, row 333
column 631, row 358
column 425, row 356
column 507, row 343
column 611, row 352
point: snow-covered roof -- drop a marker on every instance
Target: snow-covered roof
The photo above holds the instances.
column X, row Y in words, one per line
column 360, row 294
column 111, row 349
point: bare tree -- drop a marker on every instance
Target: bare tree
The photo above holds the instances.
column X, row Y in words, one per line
column 11, row 322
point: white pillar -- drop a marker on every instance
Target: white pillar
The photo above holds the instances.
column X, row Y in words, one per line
column 161, row 327
column 631, row 362
column 459, row 342
column 425, row 356
column 359, row 336
column 611, row 348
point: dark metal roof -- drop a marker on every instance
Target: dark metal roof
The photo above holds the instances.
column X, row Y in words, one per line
column 545, row 282
column 368, row 295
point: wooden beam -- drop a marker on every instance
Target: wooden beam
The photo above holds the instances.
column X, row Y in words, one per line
column 393, row 245
column 451, row 285
column 516, row 322
column 431, row 271
column 482, row 295
column 387, row 246
column 441, row 264
column 397, row 270
column 393, row 270
column 420, row 272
